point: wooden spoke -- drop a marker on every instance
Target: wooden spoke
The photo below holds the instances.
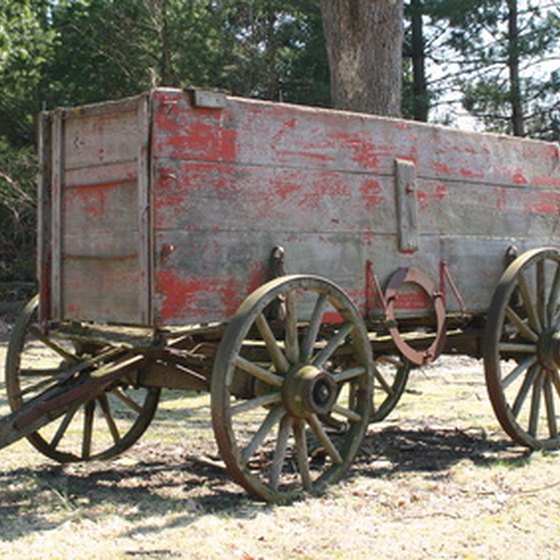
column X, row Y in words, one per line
column 279, row 360
column 280, row 451
column 89, row 410
column 71, row 357
column 292, row 343
column 536, row 403
column 555, row 377
column 552, row 305
column 48, row 372
column 125, row 399
column 386, row 386
column 524, row 390
column 541, row 293
column 350, row 414
column 34, row 389
column 517, row 371
column 272, row 418
column 314, row 328
column 259, row 372
column 63, row 426
column 348, row 374
column 550, row 407
column 106, row 409
column 394, row 361
column 521, row 326
column 530, row 307
column 302, row 454
column 317, row 427
column 326, row 353
column 517, row 348
column 257, row 402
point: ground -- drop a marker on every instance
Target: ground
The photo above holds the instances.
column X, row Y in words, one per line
column 438, row 479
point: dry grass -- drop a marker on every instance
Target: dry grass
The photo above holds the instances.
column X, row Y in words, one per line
column 437, row 480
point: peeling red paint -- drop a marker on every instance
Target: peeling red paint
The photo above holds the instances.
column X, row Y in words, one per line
column 544, row 203
column 546, row 182
column 189, row 297
column 92, row 199
column 371, row 194
column 519, row 177
column 413, row 301
column 440, row 192
column 443, row 168
column 470, row 173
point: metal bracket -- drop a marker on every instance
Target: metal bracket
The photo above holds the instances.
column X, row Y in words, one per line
column 276, row 263
column 208, row 99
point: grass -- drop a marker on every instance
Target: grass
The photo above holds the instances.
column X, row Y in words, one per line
column 438, row 479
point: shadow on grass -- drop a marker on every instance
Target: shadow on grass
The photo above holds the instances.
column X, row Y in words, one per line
column 395, row 450
column 153, row 480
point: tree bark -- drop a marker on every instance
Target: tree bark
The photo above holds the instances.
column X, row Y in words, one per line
column 421, row 105
column 518, row 125
column 364, row 46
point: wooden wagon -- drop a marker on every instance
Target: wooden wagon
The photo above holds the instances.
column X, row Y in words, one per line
column 295, row 262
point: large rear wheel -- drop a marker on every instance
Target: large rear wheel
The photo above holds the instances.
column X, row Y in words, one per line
column 522, row 349
column 291, row 388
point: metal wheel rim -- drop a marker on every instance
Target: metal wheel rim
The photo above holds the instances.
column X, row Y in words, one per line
column 145, row 407
column 222, row 407
column 525, row 390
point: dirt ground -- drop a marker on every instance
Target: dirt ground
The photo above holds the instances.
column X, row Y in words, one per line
column 438, row 479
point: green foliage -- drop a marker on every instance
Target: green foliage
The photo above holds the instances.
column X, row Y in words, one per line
column 17, row 211
column 25, row 47
column 502, row 70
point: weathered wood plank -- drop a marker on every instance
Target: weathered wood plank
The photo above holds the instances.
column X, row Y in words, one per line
column 104, row 290
column 57, row 181
column 279, row 135
column 100, row 139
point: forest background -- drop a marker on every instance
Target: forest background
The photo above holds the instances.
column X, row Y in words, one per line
column 489, row 64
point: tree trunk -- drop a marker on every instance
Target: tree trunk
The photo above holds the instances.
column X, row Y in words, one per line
column 421, row 105
column 513, row 67
column 364, row 46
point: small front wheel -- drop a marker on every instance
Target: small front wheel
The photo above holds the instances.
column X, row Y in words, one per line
column 291, row 388
column 100, row 428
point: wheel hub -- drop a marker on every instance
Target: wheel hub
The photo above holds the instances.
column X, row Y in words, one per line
column 548, row 349
column 309, row 390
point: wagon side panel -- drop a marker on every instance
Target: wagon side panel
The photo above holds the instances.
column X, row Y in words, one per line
column 351, row 197
column 99, row 229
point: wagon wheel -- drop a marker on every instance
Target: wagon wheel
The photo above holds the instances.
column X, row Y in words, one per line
column 389, row 380
column 291, row 396
column 36, row 361
column 522, row 349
